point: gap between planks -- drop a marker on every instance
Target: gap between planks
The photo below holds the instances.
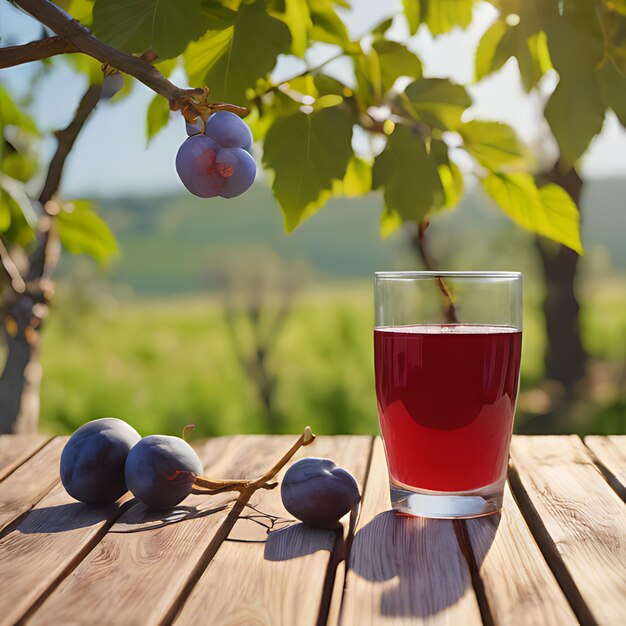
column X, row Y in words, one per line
column 15, row 450
column 577, row 520
column 285, row 576
column 29, row 483
column 404, row 570
column 150, row 572
column 609, row 454
column 49, row 543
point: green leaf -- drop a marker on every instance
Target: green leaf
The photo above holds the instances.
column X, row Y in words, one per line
column 327, row 25
column 395, row 60
column 377, row 71
column 166, row 26
column 487, row 61
column 575, row 113
column 548, row 211
column 158, row 116
column 408, row 175
column 452, row 184
column 438, row 102
column 574, row 50
column 260, row 121
column 441, row 16
column 532, row 55
column 533, row 60
column 613, row 90
column 390, row 221
column 306, row 153
column 218, row 15
column 82, row 231
column 232, row 60
column 13, row 222
column 492, row 144
column 297, row 16
column 78, row 9
column 323, row 102
column 383, row 27
column 357, row 181
column 19, row 166
column 327, row 85
column 12, row 115
column 5, row 210
column 412, row 12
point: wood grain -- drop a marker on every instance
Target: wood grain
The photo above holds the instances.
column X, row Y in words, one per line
column 53, row 538
column 277, row 578
column 404, row 570
column 578, row 521
column 47, row 544
column 516, row 580
column 15, row 449
column 146, row 572
column 23, row 488
column 610, row 456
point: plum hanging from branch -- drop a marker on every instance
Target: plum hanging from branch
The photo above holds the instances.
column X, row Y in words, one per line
column 215, row 160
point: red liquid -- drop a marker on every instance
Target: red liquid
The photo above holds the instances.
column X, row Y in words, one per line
column 446, row 399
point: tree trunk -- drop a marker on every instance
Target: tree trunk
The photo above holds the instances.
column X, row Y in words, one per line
column 24, row 313
column 565, row 357
column 19, row 384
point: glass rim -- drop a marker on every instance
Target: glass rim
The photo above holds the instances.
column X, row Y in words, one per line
column 424, row 274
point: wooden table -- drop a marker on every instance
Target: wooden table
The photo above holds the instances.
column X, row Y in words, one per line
column 555, row 556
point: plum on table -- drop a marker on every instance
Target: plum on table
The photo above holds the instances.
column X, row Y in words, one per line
column 92, row 461
column 318, row 492
column 160, row 471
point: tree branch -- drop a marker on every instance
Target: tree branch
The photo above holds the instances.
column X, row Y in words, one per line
column 34, row 51
column 429, row 264
column 80, row 37
column 17, row 282
column 65, row 141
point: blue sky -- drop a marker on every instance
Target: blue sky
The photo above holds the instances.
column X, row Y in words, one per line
column 112, row 157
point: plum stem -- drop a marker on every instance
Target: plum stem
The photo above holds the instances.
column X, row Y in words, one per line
column 206, row 485
column 186, row 430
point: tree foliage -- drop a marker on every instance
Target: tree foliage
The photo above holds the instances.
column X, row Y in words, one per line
column 374, row 84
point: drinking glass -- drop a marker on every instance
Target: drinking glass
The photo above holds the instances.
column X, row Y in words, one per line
column 447, row 349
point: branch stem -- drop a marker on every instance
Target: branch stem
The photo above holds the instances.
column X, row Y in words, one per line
column 422, row 249
column 81, row 39
column 34, row 51
column 203, row 484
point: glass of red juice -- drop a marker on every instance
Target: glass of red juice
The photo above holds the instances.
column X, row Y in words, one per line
column 447, row 348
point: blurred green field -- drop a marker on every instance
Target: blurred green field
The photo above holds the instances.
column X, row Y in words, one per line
column 164, row 363
column 148, row 341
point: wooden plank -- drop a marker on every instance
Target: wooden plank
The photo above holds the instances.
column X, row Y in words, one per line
column 149, row 571
column 578, row 521
column 15, row 449
column 30, row 482
column 278, row 577
column 50, row 542
column 516, row 580
column 404, row 570
column 609, row 453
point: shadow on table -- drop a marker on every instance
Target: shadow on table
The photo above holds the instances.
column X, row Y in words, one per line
column 129, row 516
column 418, row 559
column 64, row 517
column 298, row 540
